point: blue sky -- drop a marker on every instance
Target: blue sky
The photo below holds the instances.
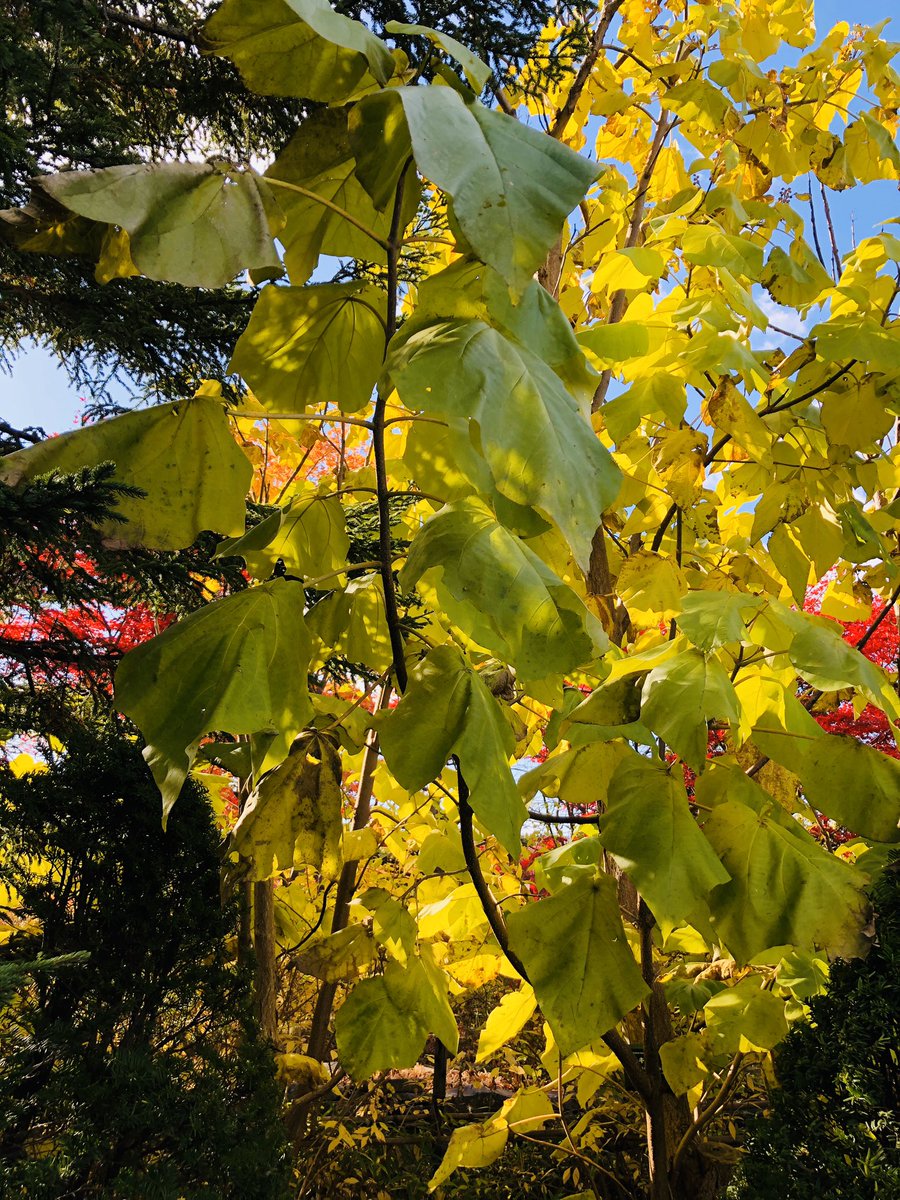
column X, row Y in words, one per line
column 38, row 391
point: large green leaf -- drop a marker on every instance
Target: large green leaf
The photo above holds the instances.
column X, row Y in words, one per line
column 578, row 960
column 236, row 666
column 511, row 185
column 712, row 619
column 197, row 224
column 538, row 443
column 502, row 594
column 292, row 819
column 577, row 776
column 319, row 158
column 182, row 456
column 448, row 710
column 471, row 290
column 385, row 1021
column 854, row 784
column 352, row 623
column 746, row 1016
column 785, row 889
column 648, row 828
column 309, row 536
column 298, row 48
column 681, row 695
column 312, row 346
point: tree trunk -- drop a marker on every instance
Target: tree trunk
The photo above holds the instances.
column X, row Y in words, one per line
column 264, row 954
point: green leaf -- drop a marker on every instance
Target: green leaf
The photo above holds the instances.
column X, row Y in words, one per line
column 611, row 344
column 238, row 666
column 538, row 443
column 785, row 890
column 577, row 957
column 713, row 619
column 511, row 185
column 353, row 624
column 578, row 776
column 708, row 246
column 319, row 158
column 298, row 48
column 648, row 828
column 197, row 224
column 447, row 710
column 309, row 536
column 683, row 1061
column 855, row 785
column 292, row 819
column 471, row 290
column 475, row 70
column 745, row 1017
column 182, row 456
column 385, row 1021
column 308, row 347
column 681, row 695
column 502, row 594
column 796, row 279
column 556, row 869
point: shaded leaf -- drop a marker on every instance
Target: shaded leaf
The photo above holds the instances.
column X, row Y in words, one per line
column 586, row 991
column 238, row 666
column 197, row 224
column 501, row 593
column 309, row 347
column 182, row 456
column 292, row 819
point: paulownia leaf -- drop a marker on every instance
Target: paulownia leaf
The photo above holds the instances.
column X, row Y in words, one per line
column 319, row 158
column 238, row 665
column 650, row 586
column 507, row 1020
column 577, row 776
column 745, row 1017
column 309, row 536
column 502, row 594
column 511, row 185
column 292, row 819
column 353, row 624
column 385, row 1021
column 785, row 889
column 182, row 456
column 298, row 48
column 470, row 290
column 448, row 710
column 556, row 869
column 480, row 1145
column 713, row 619
column 577, row 957
column 475, row 70
column 339, row 956
column 681, row 695
column 539, row 445
column 308, row 347
column 648, row 828
column 854, row 784
column 197, row 224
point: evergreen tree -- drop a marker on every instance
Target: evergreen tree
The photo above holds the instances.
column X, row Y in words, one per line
column 85, row 85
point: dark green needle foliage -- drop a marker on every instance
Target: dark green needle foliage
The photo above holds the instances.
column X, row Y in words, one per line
column 131, row 1068
column 834, row 1127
